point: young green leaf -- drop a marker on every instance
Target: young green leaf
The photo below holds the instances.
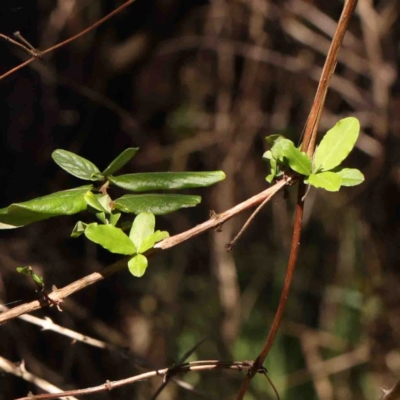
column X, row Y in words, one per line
column 166, row 180
column 114, row 217
column 79, row 229
column 285, row 150
column 336, row 145
column 66, row 202
column 137, row 265
column 76, row 165
column 120, row 161
column 38, row 279
column 93, row 201
column 105, row 201
column 111, row 238
column 350, row 176
column 101, row 216
column 24, row 270
column 274, row 170
column 157, row 204
column 272, row 139
column 325, row 180
column 142, row 227
column 267, row 155
column 150, row 241
column 29, row 271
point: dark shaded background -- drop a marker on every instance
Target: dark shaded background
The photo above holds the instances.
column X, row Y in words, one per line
column 197, row 86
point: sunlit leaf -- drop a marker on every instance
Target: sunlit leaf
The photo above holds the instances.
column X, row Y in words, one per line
column 267, row 155
column 76, row 165
column 24, row 270
column 336, row 145
column 325, row 180
column 102, row 217
column 142, row 227
column 114, row 217
column 137, row 265
column 29, row 271
column 93, row 201
column 111, row 238
column 285, row 150
column 105, row 201
column 157, row 204
column 66, row 202
column 79, row 229
column 166, row 180
column 272, row 139
column 120, row 161
column 151, row 240
column 350, row 176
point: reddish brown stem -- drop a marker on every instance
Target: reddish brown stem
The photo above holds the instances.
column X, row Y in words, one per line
column 308, row 145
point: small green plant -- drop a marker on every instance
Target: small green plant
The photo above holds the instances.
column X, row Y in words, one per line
column 36, row 278
column 96, row 199
column 324, row 171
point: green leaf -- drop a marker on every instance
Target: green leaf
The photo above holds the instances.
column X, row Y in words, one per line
column 157, row 204
column 150, row 241
column 166, row 180
column 66, row 202
column 138, row 265
column 267, row 155
column 274, row 170
column 120, row 161
column 325, row 180
column 93, row 201
column 111, row 238
column 29, row 271
column 285, row 150
column 105, row 201
column 76, row 165
column 336, row 145
column 114, row 217
column 272, row 139
column 102, row 217
column 79, row 229
column 24, row 270
column 142, row 227
column 38, row 279
column 350, row 176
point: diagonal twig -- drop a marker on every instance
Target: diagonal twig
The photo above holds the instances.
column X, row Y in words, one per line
column 65, row 42
column 205, row 365
column 58, row 295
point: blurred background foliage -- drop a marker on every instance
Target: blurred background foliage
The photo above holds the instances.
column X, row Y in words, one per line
column 197, row 85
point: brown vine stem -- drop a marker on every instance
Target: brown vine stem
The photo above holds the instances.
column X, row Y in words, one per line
column 65, row 42
column 308, row 146
column 57, row 296
column 165, row 373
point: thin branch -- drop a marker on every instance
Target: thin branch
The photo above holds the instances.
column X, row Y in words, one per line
column 165, row 373
column 307, row 146
column 393, row 393
column 58, row 295
column 233, row 242
column 21, row 372
column 310, row 131
column 181, row 361
column 48, row 325
column 65, row 42
column 14, row 42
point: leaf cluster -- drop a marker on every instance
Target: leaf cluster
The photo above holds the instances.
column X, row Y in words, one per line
column 324, row 171
column 96, row 199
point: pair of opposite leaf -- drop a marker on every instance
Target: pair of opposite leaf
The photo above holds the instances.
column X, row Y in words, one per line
column 324, row 170
column 142, row 237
